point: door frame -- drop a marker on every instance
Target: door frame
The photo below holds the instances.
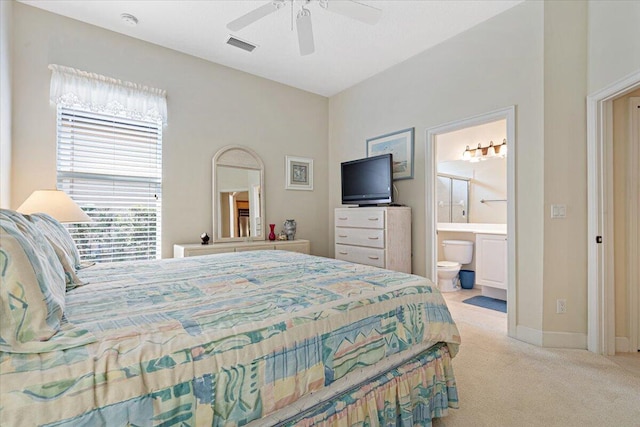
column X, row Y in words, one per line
column 431, row 170
column 633, row 224
column 600, row 257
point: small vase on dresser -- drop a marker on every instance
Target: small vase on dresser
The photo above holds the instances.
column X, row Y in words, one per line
column 290, row 228
column 272, row 233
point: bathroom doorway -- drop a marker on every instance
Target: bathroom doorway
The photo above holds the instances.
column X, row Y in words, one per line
column 487, row 170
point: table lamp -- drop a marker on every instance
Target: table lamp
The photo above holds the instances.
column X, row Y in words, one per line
column 55, row 203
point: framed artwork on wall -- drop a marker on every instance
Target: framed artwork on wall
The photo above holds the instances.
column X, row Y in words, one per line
column 299, row 173
column 400, row 144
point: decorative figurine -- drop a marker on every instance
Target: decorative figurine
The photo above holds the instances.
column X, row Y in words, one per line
column 290, row 228
column 282, row 236
column 205, row 238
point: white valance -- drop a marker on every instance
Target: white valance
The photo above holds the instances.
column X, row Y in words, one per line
column 75, row 88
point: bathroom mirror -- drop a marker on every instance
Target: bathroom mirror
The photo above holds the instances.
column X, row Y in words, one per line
column 453, row 198
column 238, row 195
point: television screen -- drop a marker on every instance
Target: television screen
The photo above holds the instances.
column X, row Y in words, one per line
column 368, row 181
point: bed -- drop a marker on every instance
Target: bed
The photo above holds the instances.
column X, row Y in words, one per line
column 248, row 338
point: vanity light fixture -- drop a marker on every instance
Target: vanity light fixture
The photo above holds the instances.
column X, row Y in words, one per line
column 482, row 153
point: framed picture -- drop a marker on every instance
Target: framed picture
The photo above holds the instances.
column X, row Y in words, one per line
column 400, row 144
column 299, row 173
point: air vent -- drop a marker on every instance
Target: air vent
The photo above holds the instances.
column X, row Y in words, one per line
column 233, row 41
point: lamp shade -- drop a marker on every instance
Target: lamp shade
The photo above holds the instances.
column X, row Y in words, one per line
column 55, row 203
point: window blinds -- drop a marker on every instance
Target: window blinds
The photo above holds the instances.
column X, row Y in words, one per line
column 112, row 167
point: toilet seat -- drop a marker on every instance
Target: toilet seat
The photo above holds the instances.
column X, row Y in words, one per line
column 448, row 264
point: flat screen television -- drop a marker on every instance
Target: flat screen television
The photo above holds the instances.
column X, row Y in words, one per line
column 368, row 181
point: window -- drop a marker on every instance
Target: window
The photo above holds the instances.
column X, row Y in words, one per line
column 112, row 167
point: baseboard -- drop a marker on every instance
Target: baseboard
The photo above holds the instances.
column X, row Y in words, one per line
column 529, row 335
column 565, row 340
column 551, row 339
column 622, row 345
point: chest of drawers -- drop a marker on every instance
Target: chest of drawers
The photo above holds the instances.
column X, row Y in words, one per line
column 377, row 236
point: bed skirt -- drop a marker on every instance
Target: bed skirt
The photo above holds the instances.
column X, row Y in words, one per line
column 412, row 394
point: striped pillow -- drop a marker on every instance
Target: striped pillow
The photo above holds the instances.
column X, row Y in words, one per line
column 63, row 245
column 32, row 291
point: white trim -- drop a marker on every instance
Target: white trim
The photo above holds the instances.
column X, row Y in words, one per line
column 552, row 339
column 508, row 113
column 609, row 312
column 633, row 228
column 622, row 345
column 600, row 326
column 564, row 340
column 529, row 335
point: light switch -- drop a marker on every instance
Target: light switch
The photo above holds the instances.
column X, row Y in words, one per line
column 558, row 211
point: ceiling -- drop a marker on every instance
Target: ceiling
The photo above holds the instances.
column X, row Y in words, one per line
column 346, row 51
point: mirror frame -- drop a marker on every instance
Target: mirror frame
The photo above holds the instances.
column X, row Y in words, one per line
column 237, row 156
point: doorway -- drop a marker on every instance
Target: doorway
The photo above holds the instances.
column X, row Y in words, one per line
column 431, row 181
column 603, row 312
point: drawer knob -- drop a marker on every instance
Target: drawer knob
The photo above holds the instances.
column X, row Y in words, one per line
column 373, row 219
column 373, row 238
column 343, row 253
column 343, row 218
column 373, row 257
column 342, row 235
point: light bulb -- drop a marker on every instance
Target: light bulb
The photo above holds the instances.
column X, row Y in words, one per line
column 491, row 151
column 466, row 155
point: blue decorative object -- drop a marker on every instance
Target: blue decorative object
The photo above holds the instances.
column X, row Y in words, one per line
column 486, row 302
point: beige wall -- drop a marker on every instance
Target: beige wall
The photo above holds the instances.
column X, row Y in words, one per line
column 565, row 165
column 6, row 11
column 620, row 154
column 614, row 41
column 209, row 106
column 494, row 65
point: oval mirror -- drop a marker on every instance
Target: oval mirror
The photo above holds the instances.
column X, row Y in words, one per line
column 238, row 195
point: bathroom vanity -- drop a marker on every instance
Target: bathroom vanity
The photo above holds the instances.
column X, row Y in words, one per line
column 491, row 264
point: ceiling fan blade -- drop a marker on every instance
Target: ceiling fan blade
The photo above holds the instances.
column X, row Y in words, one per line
column 358, row 11
column 305, row 32
column 254, row 15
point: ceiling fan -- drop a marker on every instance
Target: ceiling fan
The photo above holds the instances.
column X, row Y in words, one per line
column 349, row 8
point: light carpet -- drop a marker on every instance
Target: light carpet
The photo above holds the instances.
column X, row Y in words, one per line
column 506, row 382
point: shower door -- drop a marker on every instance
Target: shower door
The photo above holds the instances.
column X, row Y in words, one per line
column 453, row 198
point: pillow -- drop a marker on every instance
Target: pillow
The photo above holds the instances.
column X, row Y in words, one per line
column 32, row 291
column 63, row 245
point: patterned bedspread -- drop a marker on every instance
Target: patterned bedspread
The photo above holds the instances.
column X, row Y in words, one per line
column 218, row 340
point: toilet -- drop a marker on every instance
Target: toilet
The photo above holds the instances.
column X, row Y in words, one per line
column 456, row 253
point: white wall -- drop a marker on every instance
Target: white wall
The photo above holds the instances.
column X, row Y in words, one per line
column 494, row 65
column 210, row 106
column 6, row 11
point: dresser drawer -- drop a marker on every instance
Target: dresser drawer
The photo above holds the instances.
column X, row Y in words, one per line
column 255, row 247
column 360, row 255
column 360, row 218
column 369, row 237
